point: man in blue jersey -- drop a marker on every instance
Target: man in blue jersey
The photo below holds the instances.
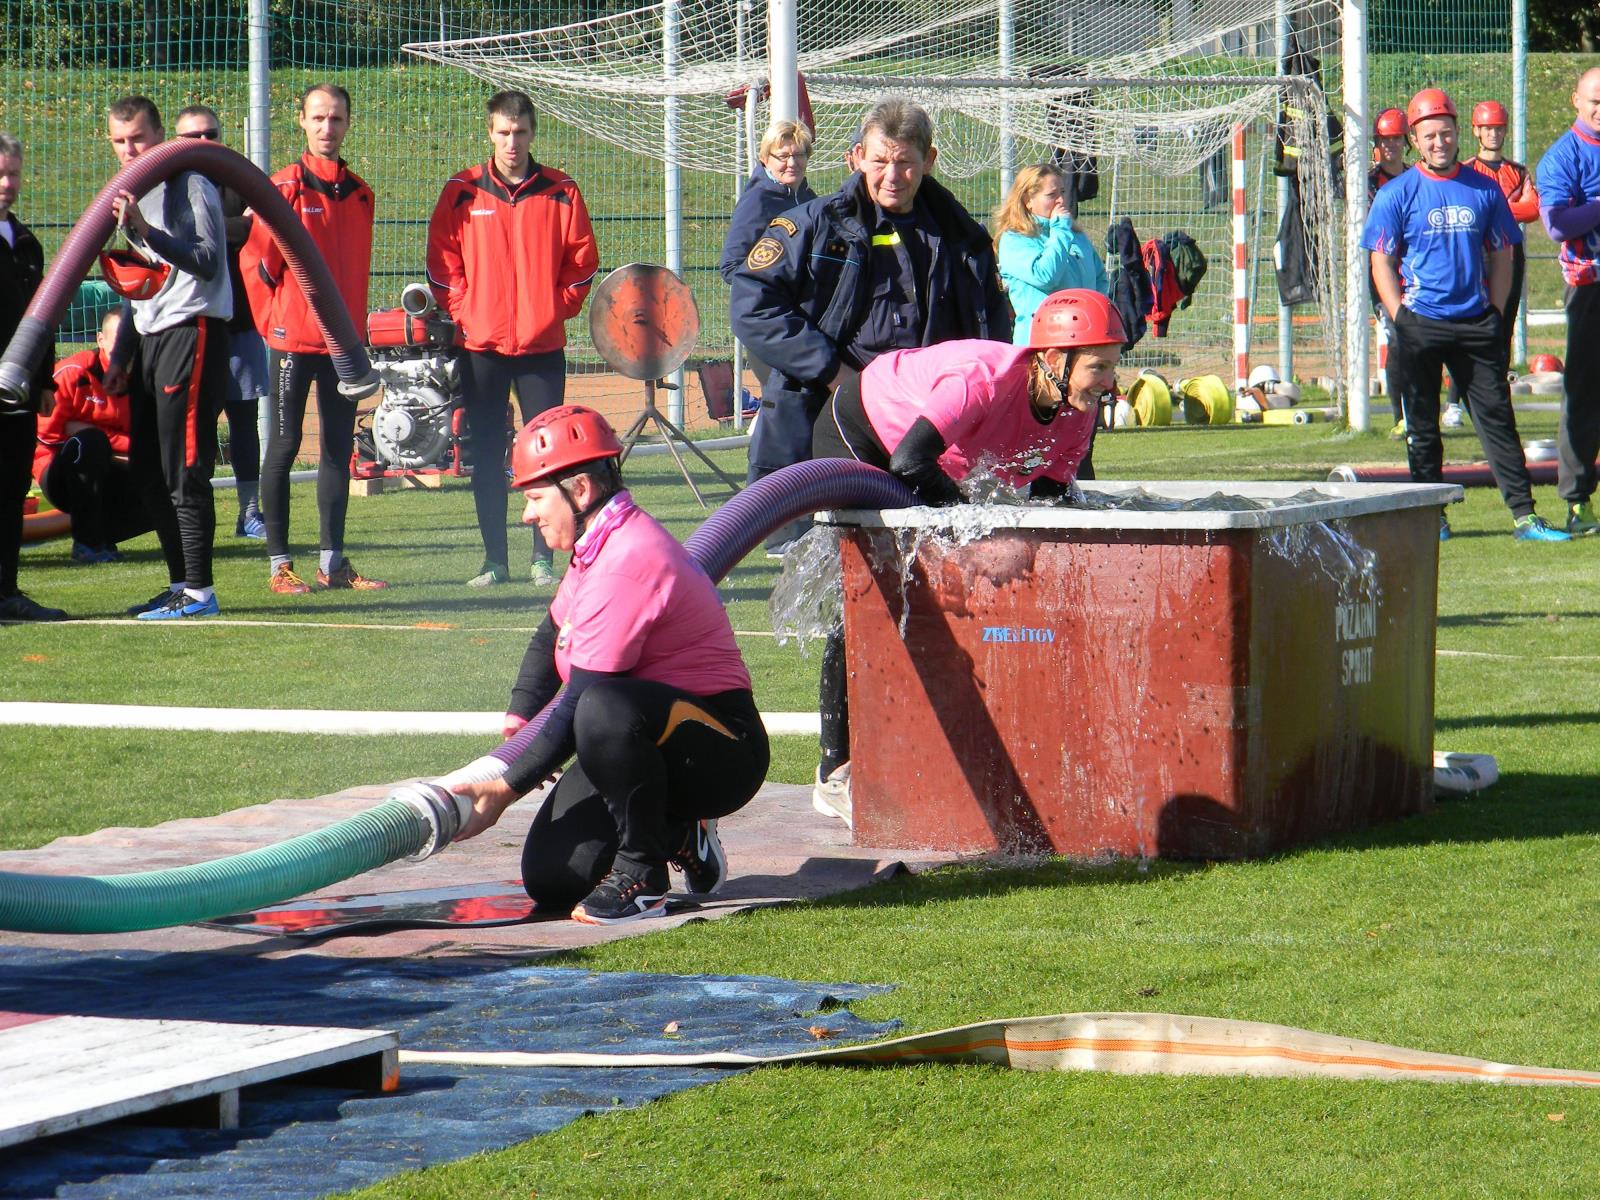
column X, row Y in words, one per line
column 1440, row 238
column 1569, row 183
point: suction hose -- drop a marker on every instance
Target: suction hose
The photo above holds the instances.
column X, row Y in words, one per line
column 417, row 820
column 357, row 379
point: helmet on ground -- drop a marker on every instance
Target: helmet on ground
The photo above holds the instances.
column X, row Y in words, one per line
column 1541, row 363
column 1075, row 317
column 1391, row 122
column 558, row 440
column 1264, row 375
column 1429, row 102
column 131, row 274
column 1490, row 112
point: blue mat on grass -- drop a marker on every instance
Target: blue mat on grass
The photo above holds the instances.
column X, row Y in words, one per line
column 297, row 1141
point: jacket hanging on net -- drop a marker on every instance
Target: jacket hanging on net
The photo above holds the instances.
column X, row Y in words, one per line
column 1295, row 254
column 1131, row 293
column 1288, row 153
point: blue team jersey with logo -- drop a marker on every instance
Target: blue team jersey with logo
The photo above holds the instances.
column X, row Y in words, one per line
column 1440, row 228
column 1569, row 174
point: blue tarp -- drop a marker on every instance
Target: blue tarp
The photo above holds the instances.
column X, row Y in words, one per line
column 298, row 1141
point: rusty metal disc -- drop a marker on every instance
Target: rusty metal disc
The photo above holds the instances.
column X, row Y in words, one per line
column 643, row 321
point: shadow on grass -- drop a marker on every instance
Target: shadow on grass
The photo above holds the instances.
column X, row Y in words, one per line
column 1493, row 619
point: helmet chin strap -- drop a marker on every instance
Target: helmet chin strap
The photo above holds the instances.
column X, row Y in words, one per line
column 581, row 516
column 1060, row 386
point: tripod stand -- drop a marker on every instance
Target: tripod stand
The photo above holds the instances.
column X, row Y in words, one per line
column 671, row 437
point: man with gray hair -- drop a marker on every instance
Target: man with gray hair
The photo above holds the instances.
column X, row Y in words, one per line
column 891, row 261
column 21, row 269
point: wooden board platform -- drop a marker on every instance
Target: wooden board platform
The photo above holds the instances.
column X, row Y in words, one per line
column 59, row 1073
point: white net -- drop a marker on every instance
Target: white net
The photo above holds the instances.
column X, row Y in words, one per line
column 1150, row 92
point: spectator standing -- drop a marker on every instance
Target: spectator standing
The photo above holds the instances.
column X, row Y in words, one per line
column 511, row 255
column 336, row 207
column 176, row 345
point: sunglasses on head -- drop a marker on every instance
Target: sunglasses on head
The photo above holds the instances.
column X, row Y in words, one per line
column 209, row 135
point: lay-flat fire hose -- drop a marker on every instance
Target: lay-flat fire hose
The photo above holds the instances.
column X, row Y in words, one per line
column 417, row 820
column 357, row 379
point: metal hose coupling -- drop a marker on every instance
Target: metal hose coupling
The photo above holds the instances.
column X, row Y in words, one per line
column 441, row 812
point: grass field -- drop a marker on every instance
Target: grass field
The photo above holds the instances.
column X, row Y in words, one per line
column 1468, row 930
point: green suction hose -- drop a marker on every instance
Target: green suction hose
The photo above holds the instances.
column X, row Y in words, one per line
column 413, row 821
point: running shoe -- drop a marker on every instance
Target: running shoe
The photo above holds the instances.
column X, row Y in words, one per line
column 1534, row 528
column 155, row 601
column 285, row 582
column 1581, row 521
column 1444, row 528
column 1398, row 433
column 542, row 573
column 702, row 862
column 93, row 555
column 621, row 898
column 831, row 796
column 250, row 525
column 1450, row 418
column 490, row 574
column 346, row 576
column 182, row 606
column 19, row 607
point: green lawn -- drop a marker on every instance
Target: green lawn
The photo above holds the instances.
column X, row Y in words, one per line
column 1467, row 930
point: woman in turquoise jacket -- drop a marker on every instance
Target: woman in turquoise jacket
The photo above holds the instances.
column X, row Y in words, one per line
column 1038, row 249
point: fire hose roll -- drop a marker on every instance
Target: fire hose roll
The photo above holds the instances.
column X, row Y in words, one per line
column 221, row 165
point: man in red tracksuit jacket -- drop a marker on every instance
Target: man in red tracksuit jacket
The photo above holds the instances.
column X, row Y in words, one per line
column 81, row 462
column 336, row 207
column 511, row 255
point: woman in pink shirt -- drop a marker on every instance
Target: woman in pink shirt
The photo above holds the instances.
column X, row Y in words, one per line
column 931, row 416
column 657, row 704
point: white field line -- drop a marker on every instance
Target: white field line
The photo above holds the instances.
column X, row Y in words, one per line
column 297, row 720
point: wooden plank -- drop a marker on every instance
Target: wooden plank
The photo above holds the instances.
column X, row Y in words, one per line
column 69, row 1072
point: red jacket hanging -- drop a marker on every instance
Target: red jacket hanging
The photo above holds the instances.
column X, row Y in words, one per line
column 1165, row 292
column 511, row 263
column 336, row 207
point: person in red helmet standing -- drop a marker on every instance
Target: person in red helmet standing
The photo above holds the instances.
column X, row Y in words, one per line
column 657, row 706
column 1570, row 210
column 927, row 416
column 336, row 207
column 1431, row 234
column 1489, row 121
column 1389, row 155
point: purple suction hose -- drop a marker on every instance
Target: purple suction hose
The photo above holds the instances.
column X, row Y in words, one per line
column 221, row 165
column 738, row 526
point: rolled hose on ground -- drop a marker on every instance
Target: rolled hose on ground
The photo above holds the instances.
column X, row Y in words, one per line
column 77, row 255
column 417, row 820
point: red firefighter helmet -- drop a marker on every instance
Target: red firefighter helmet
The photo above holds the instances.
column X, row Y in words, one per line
column 1490, row 112
column 1429, row 102
column 1541, row 363
column 132, row 275
column 1391, row 122
column 1075, row 317
column 559, row 439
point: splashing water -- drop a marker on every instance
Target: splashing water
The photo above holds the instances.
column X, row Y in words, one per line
column 1328, row 547
column 1142, row 500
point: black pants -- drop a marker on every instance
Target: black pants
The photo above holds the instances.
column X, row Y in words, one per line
column 652, row 759
column 1394, row 370
column 292, row 376
column 18, row 438
column 487, row 379
column 87, row 480
column 1519, row 269
column 1579, row 437
column 1474, row 350
column 176, row 388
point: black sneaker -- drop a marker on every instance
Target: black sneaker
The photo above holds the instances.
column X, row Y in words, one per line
column 159, row 600
column 702, row 861
column 18, row 607
column 620, row 898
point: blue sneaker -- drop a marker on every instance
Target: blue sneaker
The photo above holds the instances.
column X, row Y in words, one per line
column 1534, row 528
column 1444, row 528
column 250, row 525
column 182, row 606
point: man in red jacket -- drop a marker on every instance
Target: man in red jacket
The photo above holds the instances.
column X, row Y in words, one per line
column 511, row 255
column 81, row 461
column 336, row 207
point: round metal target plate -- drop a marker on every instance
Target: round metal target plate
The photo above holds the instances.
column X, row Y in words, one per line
column 643, row 321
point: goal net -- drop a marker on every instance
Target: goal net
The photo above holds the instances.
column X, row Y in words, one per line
column 1147, row 94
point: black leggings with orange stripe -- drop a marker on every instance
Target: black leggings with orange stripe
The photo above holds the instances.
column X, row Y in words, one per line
column 652, row 760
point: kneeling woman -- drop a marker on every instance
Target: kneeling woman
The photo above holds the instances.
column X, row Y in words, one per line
column 657, row 707
column 931, row 416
